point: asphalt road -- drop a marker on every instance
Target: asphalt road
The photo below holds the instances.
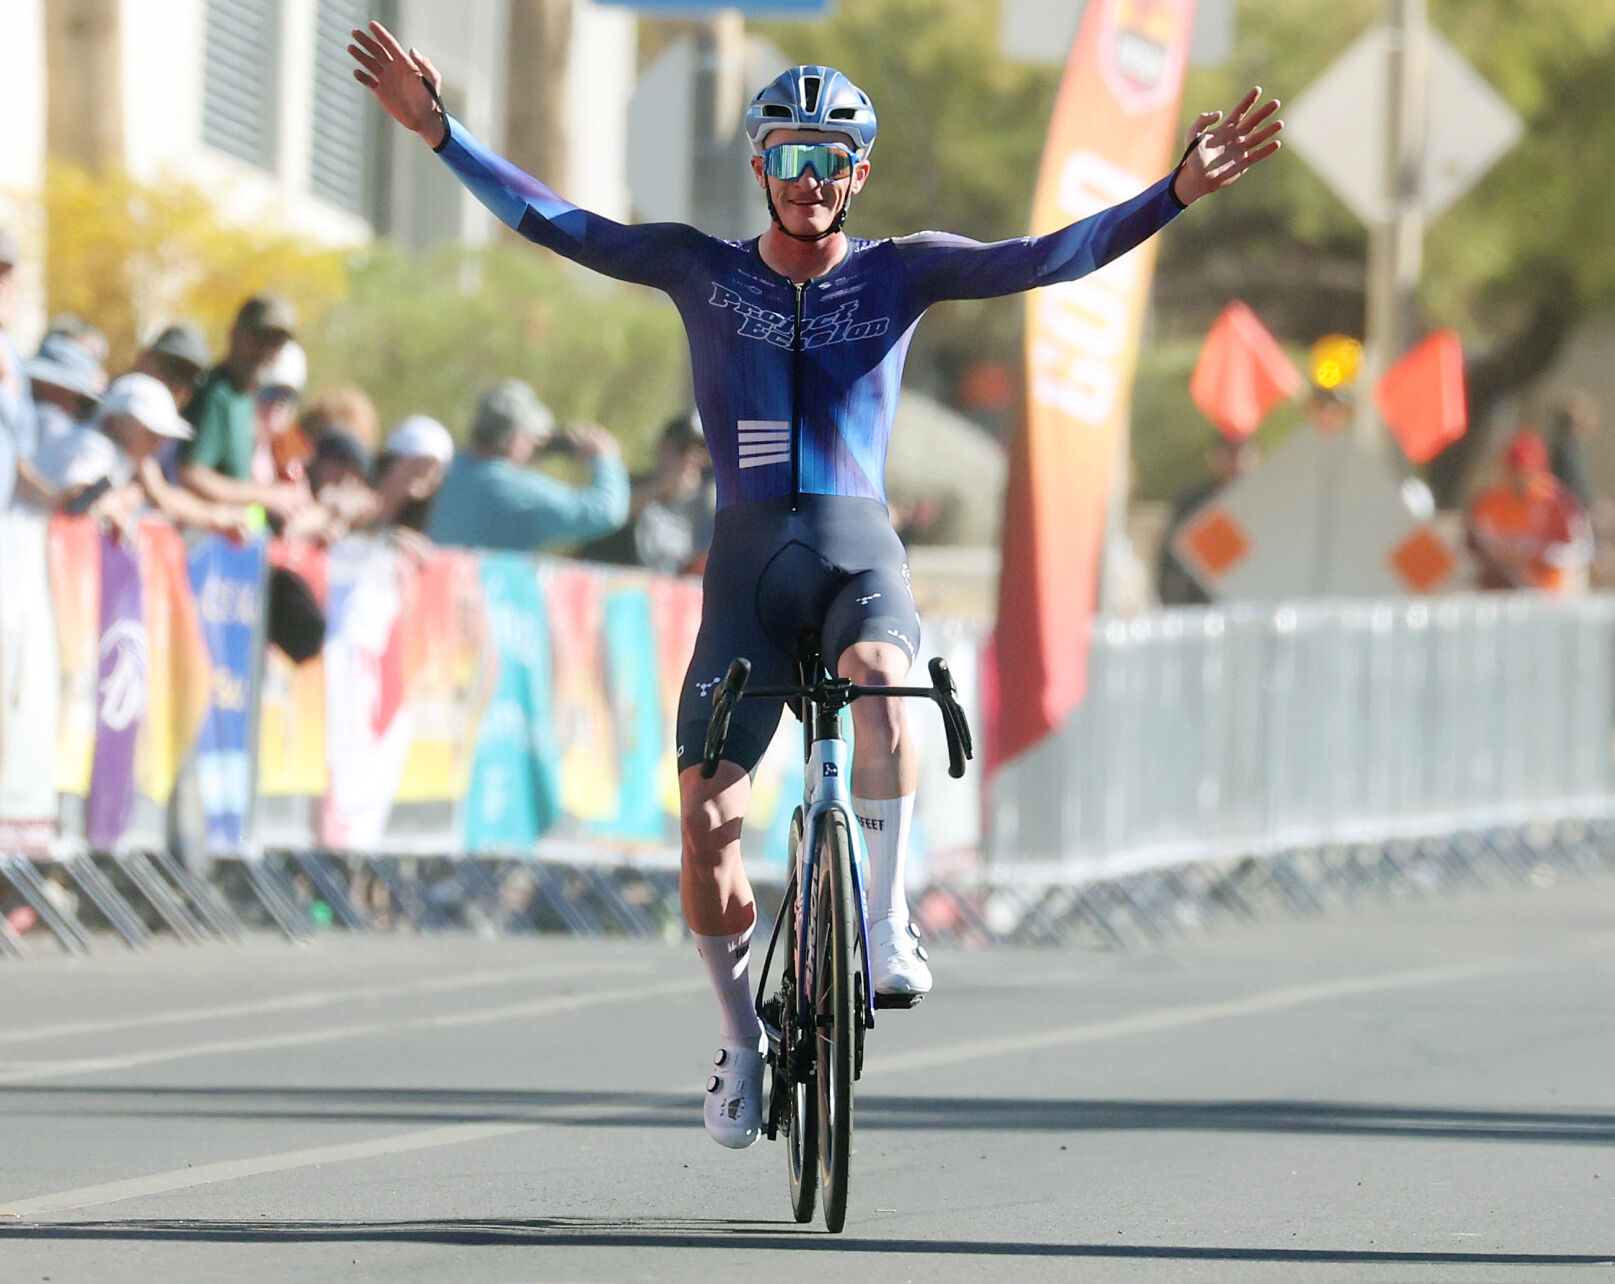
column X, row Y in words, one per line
column 1421, row 1091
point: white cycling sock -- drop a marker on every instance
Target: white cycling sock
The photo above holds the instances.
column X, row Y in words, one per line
column 885, row 822
column 728, row 960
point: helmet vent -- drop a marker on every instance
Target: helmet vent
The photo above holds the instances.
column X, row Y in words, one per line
column 844, row 113
column 775, row 110
column 810, row 93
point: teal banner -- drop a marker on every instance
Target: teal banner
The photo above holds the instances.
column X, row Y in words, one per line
column 515, row 780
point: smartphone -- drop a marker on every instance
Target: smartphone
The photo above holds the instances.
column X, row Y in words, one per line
column 82, row 502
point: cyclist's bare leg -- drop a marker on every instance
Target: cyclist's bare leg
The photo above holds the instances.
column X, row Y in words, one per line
column 713, row 888
column 884, row 763
column 885, row 773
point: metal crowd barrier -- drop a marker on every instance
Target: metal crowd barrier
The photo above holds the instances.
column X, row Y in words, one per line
column 1305, row 752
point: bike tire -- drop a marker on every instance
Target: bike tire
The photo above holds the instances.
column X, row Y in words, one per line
column 835, row 960
column 802, row 1111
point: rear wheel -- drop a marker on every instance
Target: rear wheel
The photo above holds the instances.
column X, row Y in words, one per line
column 832, row 925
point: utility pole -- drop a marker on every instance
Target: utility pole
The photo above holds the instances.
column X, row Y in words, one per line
column 84, row 79
column 536, row 82
column 1396, row 241
column 716, row 107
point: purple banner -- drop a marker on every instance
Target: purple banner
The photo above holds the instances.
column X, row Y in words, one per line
column 120, row 696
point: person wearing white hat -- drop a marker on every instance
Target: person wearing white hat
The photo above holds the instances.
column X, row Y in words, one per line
column 110, row 470
column 410, row 472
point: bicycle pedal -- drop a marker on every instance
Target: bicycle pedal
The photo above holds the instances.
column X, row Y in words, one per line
column 898, row 1000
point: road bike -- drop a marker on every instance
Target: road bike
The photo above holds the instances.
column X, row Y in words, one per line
column 823, row 1003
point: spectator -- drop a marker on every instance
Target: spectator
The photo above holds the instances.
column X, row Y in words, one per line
column 1573, row 425
column 176, row 358
column 218, row 463
column 411, row 471
column 111, row 469
column 670, row 511
column 343, row 408
column 489, row 499
column 66, row 382
column 79, row 331
column 1226, row 462
column 1527, row 530
column 283, row 450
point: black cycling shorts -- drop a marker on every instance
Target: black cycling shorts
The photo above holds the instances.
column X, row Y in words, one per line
column 834, row 565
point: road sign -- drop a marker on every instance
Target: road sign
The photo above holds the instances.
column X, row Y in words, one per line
column 1339, row 126
column 1041, row 31
column 1320, row 517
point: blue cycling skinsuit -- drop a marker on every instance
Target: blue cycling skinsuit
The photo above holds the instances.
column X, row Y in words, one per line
column 796, row 387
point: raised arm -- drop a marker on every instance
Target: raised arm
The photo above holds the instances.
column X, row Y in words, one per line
column 407, row 86
column 1221, row 149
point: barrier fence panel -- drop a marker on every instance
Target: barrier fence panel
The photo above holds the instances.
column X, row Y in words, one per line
column 1219, row 733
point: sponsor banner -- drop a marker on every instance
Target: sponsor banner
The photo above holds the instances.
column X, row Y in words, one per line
column 120, row 696
column 515, row 781
column 1114, row 133
column 675, row 620
column 228, row 580
column 590, row 772
column 292, row 772
column 366, row 715
column 75, row 586
column 640, row 733
column 179, row 672
column 29, row 694
column 446, row 682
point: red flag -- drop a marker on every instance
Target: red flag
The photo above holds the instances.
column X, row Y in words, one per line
column 1242, row 373
column 1422, row 397
column 1114, row 132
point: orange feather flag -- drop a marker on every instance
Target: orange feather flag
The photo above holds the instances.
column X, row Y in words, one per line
column 1242, row 373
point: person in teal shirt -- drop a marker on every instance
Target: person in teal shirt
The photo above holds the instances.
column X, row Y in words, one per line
column 491, row 499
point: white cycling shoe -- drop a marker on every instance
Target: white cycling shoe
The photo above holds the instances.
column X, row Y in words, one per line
column 897, row 960
column 733, row 1108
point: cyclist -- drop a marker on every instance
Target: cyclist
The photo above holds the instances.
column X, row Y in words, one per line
column 797, row 341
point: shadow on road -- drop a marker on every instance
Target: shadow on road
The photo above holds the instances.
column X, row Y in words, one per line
column 662, row 1233
column 952, row 1114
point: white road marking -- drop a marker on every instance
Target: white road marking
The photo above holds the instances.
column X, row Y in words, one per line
column 1192, row 1014
column 30, row 1072
column 310, row 999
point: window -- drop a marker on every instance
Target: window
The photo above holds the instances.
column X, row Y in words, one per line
column 343, row 166
column 240, row 78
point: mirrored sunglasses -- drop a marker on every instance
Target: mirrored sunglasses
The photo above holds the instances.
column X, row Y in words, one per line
column 788, row 161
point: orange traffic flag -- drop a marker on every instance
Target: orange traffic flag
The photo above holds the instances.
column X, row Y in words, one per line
column 1422, row 397
column 1242, row 373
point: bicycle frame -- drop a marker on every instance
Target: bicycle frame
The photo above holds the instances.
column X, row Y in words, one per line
column 826, row 788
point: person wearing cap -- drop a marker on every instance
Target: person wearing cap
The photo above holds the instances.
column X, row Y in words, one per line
column 176, row 358
column 491, row 499
column 218, row 462
column 410, row 472
column 118, row 456
column 66, row 379
column 1527, row 530
column 670, row 510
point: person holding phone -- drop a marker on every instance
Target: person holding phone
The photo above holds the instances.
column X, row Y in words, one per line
column 109, row 468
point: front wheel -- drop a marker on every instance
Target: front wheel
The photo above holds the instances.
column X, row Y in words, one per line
column 801, row 1101
column 832, row 925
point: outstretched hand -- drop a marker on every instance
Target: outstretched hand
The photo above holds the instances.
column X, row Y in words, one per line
column 403, row 80
column 1222, row 147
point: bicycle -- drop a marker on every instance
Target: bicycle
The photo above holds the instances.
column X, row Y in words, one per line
column 817, row 1017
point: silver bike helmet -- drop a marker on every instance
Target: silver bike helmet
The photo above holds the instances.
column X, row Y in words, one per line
column 812, row 98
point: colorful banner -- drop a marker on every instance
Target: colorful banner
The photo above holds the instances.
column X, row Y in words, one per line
column 366, row 716
column 75, row 587
column 675, row 620
column 590, row 781
column 228, row 581
column 447, row 680
column 29, row 694
column 179, row 673
column 121, row 677
column 1114, row 133
column 292, row 773
column 641, row 736
column 515, row 783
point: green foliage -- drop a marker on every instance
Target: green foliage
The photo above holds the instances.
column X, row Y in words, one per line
column 429, row 334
